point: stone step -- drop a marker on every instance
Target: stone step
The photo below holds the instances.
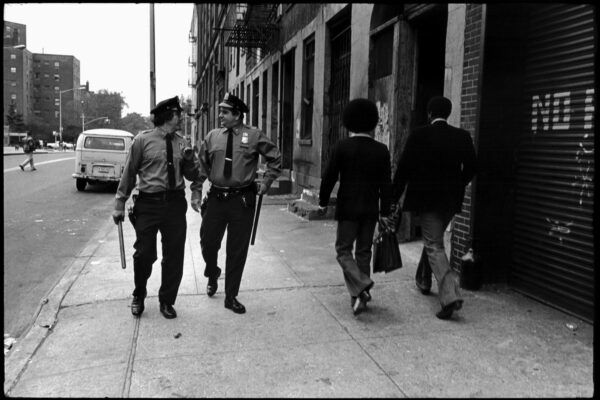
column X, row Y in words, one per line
column 281, row 185
column 312, row 197
column 309, row 211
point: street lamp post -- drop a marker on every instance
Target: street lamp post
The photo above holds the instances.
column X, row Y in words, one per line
column 60, row 128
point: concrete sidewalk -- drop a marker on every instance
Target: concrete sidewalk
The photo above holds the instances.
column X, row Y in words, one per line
column 298, row 337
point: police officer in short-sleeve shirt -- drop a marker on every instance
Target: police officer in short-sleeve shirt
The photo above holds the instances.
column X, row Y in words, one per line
column 228, row 158
column 160, row 158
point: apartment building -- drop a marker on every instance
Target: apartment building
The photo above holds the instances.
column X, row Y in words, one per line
column 53, row 74
column 16, row 71
column 36, row 83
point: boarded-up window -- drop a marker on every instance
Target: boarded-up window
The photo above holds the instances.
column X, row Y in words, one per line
column 381, row 64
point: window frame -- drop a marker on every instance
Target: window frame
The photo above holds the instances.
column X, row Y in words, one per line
column 308, row 90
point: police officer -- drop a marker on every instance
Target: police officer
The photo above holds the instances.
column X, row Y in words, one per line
column 161, row 159
column 228, row 157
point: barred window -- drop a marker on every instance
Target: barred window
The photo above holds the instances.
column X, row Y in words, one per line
column 381, row 64
column 308, row 85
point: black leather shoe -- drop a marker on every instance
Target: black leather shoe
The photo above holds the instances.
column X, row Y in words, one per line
column 234, row 305
column 357, row 305
column 167, row 311
column 137, row 306
column 423, row 289
column 448, row 309
column 212, row 286
column 365, row 296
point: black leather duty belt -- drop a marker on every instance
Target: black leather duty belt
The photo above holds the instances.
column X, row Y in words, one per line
column 224, row 193
column 162, row 196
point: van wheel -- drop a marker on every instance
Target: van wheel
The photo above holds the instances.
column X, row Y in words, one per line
column 80, row 183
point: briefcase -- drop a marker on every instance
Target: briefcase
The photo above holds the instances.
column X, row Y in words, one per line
column 386, row 252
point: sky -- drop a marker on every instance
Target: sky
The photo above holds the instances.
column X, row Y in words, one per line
column 112, row 43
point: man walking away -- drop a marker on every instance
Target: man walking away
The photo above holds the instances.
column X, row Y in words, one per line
column 435, row 167
column 362, row 166
column 28, row 148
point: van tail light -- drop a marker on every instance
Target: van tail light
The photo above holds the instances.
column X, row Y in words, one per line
column 82, row 167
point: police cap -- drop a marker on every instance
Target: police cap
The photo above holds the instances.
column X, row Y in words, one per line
column 231, row 101
column 168, row 104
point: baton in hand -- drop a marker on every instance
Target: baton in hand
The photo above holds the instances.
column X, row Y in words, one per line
column 121, row 244
column 256, row 215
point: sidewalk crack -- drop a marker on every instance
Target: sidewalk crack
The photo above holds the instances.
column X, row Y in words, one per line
column 361, row 346
column 131, row 359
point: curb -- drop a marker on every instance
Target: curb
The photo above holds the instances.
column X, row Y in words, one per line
column 22, row 352
column 22, row 154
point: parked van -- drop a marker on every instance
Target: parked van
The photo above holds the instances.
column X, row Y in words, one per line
column 100, row 156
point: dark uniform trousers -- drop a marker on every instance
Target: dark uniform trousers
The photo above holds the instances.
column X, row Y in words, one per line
column 166, row 215
column 235, row 213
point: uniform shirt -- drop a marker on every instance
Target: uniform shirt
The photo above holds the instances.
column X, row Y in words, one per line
column 147, row 159
column 248, row 144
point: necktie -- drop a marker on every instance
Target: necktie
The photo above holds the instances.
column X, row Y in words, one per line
column 228, row 155
column 170, row 166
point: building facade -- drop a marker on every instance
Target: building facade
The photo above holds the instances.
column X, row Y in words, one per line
column 16, row 71
column 53, row 74
column 528, row 213
column 33, row 82
column 14, row 34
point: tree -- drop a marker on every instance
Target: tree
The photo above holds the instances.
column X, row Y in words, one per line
column 186, row 125
column 15, row 119
column 40, row 129
column 104, row 104
column 134, row 123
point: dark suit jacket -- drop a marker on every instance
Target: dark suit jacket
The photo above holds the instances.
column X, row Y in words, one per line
column 437, row 164
column 364, row 170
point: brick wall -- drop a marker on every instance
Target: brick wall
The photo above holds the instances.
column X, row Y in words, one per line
column 461, row 235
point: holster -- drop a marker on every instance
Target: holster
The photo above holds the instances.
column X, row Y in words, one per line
column 131, row 214
column 203, row 206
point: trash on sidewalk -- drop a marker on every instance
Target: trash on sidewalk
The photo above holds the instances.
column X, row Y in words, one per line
column 8, row 343
column 572, row 326
column 471, row 271
column 177, row 335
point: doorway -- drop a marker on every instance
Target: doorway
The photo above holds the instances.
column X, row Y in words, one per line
column 430, row 32
column 339, row 89
column 287, row 112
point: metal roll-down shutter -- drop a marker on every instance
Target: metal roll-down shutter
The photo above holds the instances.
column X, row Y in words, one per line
column 553, row 251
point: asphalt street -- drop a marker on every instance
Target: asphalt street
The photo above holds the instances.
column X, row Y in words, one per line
column 46, row 224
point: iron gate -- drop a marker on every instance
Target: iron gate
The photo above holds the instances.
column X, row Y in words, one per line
column 339, row 89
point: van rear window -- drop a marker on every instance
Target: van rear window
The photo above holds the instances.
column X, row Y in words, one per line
column 104, row 143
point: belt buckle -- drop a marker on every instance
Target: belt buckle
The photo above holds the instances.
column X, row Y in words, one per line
column 222, row 195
